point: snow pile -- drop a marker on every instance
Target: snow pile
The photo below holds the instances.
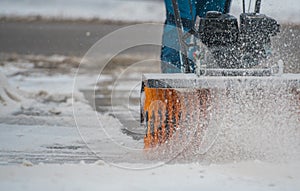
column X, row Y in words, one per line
column 10, row 97
column 36, row 87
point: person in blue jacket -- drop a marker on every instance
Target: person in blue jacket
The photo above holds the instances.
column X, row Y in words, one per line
column 189, row 10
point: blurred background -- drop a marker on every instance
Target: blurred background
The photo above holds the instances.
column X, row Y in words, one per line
column 70, row 27
column 128, row 10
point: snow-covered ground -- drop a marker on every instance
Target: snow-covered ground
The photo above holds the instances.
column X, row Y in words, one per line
column 99, row 176
column 41, row 146
column 128, row 10
column 37, row 114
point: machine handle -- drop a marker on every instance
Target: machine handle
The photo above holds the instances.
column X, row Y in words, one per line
column 257, row 6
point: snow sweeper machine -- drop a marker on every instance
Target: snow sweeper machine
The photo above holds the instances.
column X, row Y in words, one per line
column 229, row 56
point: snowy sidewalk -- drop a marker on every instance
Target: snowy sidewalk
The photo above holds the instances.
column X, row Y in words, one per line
column 99, row 176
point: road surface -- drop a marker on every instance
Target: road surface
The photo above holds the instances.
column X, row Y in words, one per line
column 56, row 37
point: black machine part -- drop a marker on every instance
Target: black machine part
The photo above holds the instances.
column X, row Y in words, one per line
column 218, row 29
column 234, row 46
column 231, row 45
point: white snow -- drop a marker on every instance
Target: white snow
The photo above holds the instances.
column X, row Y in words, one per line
column 129, row 10
column 240, row 176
